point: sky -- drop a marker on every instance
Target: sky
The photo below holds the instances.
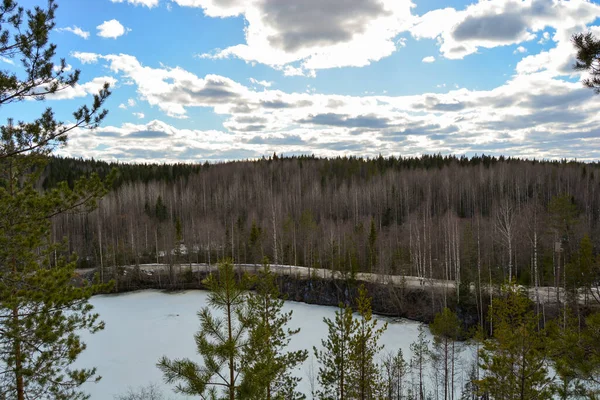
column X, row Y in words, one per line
column 214, row 80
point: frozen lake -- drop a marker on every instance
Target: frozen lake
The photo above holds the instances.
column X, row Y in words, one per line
column 143, row 326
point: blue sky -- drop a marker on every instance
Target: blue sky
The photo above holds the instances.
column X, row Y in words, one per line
column 197, row 80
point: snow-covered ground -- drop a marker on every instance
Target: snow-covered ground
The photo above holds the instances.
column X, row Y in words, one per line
column 545, row 294
column 143, row 326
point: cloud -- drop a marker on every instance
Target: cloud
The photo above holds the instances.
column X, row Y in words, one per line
column 111, row 29
column 75, row 30
column 300, row 37
column 81, row 90
column 85, row 58
column 459, row 120
column 340, row 120
column 261, row 83
column 291, row 140
column 489, row 24
column 139, row 115
column 147, row 3
column 558, row 60
column 130, row 103
column 174, row 89
column 545, row 38
column 520, row 49
column 428, row 59
column 157, row 141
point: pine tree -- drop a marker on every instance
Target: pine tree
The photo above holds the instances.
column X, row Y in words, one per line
column 395, row 369
column 419, row 360
column 514, row 359
column 372, row 246
column 365, row 378
column 266, row 366
column 160, row 210
column 41, row 312
column 220, row 341
column 575, row 352
column 446, row 331
column 588, row 58
column 335, row 357
column 254, row 242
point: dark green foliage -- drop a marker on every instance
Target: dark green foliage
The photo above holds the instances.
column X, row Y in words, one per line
column 334, row 359
column 220, row 341
column 446, row 330
column 514, row 360
column 41, row 312
column 178, row 231
column 372, row 246
column 588, row 58
column 266, row 366
column 419, row 361
column 69, row 169
column 254, row 242
column 366, row 382
column 395, row 371
column 575, row 352
column 160, row 210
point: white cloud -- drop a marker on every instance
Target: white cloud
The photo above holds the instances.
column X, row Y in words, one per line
column 261, row 83
column 558, row 60
column 147, row 3
column 85, row 58
column 82, row 90
column 520, row 49
column 342, row 33
column 75, row 30
column 157, row 141
column 496, row 23
column 532, row 114
column 139, row 115
column 545, row 38
column 111, row 29
column 130, row 103
column 428, row 59
column 7, row 60
column 67, row 68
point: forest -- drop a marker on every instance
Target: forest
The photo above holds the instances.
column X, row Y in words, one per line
column 480, row 220
column 518, row 239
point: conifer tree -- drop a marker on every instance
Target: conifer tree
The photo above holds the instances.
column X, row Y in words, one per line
column 514, row 359
column 372, row 246
column 41, row 312
column 266, row 366
column 395, row 369
column 588, row 58
column 220, row 341
column 366, row 381
column 335, row 358
column 419, row 360
column 575, row 352
column 446, row 331
column 160, row 209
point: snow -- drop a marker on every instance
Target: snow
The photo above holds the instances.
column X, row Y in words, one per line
column 143, row 326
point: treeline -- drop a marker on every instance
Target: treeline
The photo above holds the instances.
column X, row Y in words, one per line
column 478, row 221
column 60, row 169
column 244, row 351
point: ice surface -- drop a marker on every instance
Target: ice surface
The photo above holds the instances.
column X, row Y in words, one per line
column 143, row 326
